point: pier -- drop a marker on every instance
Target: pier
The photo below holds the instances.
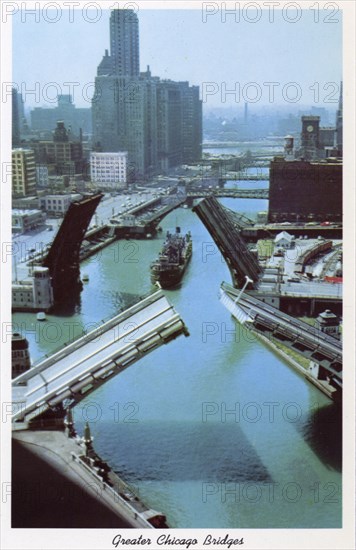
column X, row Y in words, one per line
column 53, row 487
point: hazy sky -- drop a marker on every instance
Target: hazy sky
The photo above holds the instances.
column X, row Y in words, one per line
column 177, row 44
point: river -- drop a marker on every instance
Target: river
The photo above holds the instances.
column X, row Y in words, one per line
column 215, row 430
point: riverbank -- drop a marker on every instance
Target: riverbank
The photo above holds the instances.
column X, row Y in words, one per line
column 55, row 485
column 323, row 386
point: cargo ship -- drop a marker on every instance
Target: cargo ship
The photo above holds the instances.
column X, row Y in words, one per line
column 173, row 259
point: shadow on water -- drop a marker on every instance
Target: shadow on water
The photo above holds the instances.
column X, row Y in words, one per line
column 176, row 452
column 69, row 305
column 322, row 430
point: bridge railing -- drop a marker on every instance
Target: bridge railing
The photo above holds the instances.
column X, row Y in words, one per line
column 116, row 497
column 107, row 362
column 107, row 323
column 311, row 333
column 72, row 376
column 309, row 341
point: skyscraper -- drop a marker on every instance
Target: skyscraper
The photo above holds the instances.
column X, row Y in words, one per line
column 159, row 123
column 179, row 123
column 124, row 43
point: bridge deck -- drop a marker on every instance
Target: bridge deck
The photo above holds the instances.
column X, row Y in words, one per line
column 102, row 353
column 234, row 193
column 223, row 229
column 64, row 255
column 307, row 340
column 159, row 214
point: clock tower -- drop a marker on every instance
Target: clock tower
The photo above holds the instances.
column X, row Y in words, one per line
column 310, row 137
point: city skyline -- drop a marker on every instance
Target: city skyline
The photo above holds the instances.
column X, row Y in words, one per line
column 159, row 123
column 295, row 73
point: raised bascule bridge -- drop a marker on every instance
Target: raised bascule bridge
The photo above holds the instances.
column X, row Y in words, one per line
column 323, row 350
column 63, row 258
column 253, row 308
column 225, row 228
column 79, row 368
column 46, row 448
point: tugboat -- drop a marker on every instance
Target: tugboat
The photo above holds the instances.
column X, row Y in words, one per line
column 173, row 259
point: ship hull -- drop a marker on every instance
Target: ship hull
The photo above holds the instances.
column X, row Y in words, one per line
column 170, row 277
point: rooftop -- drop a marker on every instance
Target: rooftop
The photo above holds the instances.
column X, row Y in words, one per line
column 24, row 212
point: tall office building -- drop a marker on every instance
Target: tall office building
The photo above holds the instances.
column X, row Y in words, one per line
column 192, row 124
column 169, row 124
column 19, row 123
column 123, row 108
column 124, row 119
column 159, row 123
column 124, row 42
column 179, row 123
column 23, row 172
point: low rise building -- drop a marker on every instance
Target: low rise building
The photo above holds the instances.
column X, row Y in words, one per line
column 284, row 240
column 20, row 356
column 62, row 155
column 35, row 294
column 26, row 220
column 57, row 204
column 304, row 191
column 75, row 118
column 25, row 203
column 58, row 183
column 329, row 323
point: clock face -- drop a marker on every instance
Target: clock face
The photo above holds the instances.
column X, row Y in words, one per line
column 310, row 128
